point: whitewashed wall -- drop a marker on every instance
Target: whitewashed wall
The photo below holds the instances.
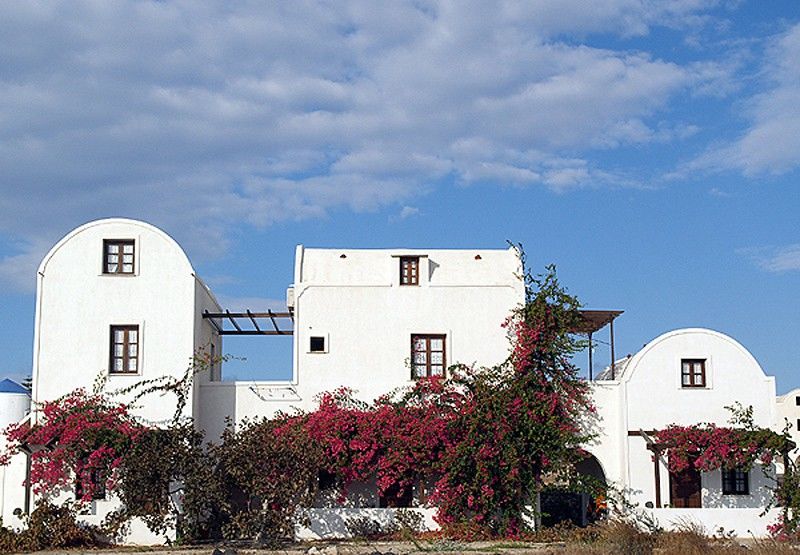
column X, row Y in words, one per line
column 788, row 416
column 648, row 396
column 77, row 303
column 358, row 304
column 354, row 299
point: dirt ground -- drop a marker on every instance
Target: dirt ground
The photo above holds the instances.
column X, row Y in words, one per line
column 407, row 548
column 359, row 548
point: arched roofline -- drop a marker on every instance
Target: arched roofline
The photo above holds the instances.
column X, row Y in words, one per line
column 108, row 221
column 637, row 358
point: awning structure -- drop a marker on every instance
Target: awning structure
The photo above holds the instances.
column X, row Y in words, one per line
column 251, row 323
column 594, row 321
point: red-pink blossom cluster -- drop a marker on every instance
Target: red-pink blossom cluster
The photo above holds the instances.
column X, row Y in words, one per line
column 77, row 442
column 710, row 447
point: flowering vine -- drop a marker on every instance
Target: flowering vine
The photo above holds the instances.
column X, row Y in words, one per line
column 707, row 447
column 78, row 441
column 484, row 441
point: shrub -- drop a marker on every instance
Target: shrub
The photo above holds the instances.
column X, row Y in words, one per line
column 50, row 526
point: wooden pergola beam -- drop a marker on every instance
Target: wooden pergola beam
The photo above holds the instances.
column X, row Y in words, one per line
column 240, row 322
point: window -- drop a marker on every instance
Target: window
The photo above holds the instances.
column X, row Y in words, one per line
column 427, row 356
column 95, row 483
column 735, row 482
column 124, row 350
column 213, row 376
column 316, row 344
column 118, row 256
column 797, row 400
column 409, row 270
column 798, row 424
column 693, row 373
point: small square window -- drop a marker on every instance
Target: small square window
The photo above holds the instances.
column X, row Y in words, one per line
column 797, row 400
column 316, row 344
column 693, row 372
column 118, row 256
column 735, row 482
column 409, row 270
column 124, row 357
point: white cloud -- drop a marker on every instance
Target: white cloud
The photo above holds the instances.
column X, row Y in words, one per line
column 198, row 117
column 405, row 213
column 776, row 259
column 19, row 270
column 771, row 143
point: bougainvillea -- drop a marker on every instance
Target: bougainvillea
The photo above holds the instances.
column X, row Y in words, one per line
column 707, row 447
column 77, row 443
column 521, row 423
column 396, row 441
column 484, row 442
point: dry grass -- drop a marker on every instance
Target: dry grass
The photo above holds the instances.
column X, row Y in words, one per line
column 623, row 537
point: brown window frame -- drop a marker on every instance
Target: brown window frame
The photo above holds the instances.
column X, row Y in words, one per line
column 428, row 365
column 692, row 374
column 126, row 344
column 120, row 244
column 735, row 481
column 409, row 270
column 98, row 485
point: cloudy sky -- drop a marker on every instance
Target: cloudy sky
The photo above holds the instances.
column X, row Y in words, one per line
column 649, row 149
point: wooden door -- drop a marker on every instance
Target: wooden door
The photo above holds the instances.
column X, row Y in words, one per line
column 684, row 489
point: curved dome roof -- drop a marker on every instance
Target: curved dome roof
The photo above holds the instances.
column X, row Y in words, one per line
column 107, row 221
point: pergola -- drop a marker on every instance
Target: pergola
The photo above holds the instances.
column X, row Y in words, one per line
column 251, row 323
column 594, row 321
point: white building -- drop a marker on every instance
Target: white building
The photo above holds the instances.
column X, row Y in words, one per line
column 356, row 324
column 788, row 410
column 684, row 377
column 119, row 299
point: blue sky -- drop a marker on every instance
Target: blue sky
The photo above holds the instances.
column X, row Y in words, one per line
column 648, row 149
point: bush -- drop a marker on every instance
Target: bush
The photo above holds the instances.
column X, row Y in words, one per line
column 50, row 526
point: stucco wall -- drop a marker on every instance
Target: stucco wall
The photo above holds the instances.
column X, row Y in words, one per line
column 77, row 303
column 653, row 382
column 367, row 317
column 650, row 397
column 744, row 523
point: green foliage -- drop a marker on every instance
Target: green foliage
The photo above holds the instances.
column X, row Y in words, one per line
column 524, row 421
column 49, row 526
column 167, row 479
column 491, row 439
column 269, row 469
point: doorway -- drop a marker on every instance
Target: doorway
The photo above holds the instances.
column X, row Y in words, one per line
column 685, row 488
